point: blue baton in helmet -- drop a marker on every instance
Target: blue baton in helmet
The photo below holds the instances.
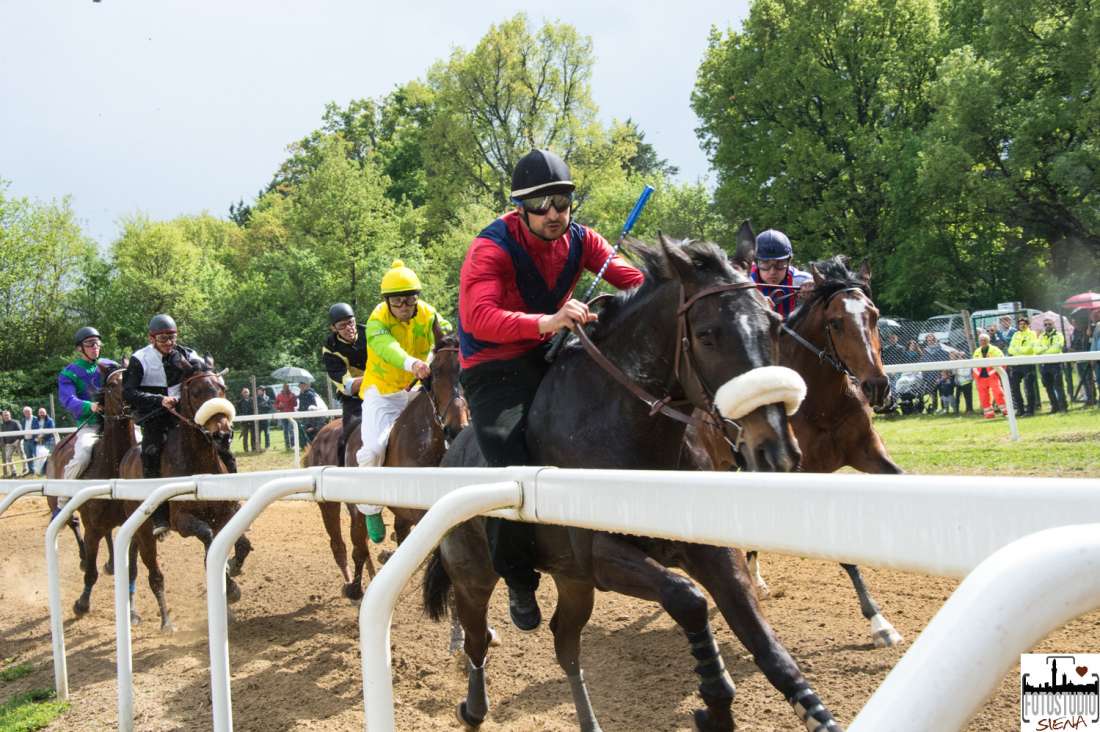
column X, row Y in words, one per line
column 635, row 212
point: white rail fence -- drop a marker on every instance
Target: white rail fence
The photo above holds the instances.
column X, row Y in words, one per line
column 940, row 525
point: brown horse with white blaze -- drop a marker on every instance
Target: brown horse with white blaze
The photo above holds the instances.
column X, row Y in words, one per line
column 832, row 341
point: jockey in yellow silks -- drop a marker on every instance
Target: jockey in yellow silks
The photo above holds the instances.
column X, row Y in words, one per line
column 401, row 332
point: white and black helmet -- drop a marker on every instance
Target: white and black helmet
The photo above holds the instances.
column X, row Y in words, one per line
column 540, row 171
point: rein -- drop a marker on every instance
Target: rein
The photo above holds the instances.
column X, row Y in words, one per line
column 187, row 420
column 827, row 355
column 426, row 384
column 664, row 405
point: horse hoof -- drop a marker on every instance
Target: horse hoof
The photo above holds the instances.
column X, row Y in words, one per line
column 886, row 639
column 353, row 591
column 384, row 556
column 135, row 619
column 702, row 721
column 466, row 719
column 883, row 633
column 763, row 592
column 166, row 625
column 81, row 608
column 232, row 592
column 234, row 567
column 494, row 638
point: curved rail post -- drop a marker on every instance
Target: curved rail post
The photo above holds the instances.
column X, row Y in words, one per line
column 15, row 495
column 986, row 618
column 53, row 571
column 123, row 636
column 376, row 611
column 216, row 605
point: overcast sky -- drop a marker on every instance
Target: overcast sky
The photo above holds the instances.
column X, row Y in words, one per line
column 173, row 107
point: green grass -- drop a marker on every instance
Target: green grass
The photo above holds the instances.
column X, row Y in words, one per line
column 30, row 711
column 15, row 671
column 1064, row 445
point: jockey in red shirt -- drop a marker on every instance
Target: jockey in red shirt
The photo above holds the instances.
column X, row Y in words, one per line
column 515, row 292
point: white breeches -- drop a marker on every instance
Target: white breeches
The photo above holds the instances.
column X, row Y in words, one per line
column 85, row 440
column 380, row 411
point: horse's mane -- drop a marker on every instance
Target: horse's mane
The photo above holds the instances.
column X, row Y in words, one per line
column 707, row 257
column 835, row 277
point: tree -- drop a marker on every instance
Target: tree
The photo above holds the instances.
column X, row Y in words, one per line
column 806, row 112
column 1014, row 144
column 43, row 253
column 518, row 89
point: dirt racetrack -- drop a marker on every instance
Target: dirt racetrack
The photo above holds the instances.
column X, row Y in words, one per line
column 295, row 656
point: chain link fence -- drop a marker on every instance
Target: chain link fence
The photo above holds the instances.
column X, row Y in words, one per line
column 954, row 336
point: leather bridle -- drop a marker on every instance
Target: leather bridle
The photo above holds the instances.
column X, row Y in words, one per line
column 828, row 355
column 454, row 402
column 683, row 365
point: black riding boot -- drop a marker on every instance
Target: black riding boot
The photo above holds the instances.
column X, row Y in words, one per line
column 150, row 468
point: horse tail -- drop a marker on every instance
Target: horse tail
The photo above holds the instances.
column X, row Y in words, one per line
column 437, row 587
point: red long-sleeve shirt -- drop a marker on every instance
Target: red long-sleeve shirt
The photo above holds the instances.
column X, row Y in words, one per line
column 492, row 308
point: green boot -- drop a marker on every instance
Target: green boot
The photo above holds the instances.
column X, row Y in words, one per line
column 376, row 528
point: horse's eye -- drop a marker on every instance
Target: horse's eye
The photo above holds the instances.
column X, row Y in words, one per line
column 707, row 336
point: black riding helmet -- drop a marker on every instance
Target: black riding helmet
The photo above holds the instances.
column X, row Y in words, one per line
column 340, row 311
column 162, row 324
column 540, row 171
column 84, row 334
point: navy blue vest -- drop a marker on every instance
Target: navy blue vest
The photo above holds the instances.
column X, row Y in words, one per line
column 532, row 287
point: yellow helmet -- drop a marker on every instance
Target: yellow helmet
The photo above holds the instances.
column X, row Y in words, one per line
column 399, row 279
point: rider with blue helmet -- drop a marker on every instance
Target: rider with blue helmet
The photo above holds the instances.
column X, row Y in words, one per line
column 773, row 267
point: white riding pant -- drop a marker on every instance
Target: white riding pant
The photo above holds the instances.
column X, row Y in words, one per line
column 84, row 443
column 380, row 411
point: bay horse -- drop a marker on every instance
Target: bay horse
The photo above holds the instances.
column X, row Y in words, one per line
column 699, row 329
column 100, row 516
column 205, row 421
column 419, row 438
column 832, row 340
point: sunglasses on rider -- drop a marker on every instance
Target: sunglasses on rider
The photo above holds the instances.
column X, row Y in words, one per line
column 777, row 265
column 402, row 301
column 539, row 205
column 163, row 338
column 91, row 343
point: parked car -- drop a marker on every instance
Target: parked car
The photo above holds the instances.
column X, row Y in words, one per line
column 948, row 330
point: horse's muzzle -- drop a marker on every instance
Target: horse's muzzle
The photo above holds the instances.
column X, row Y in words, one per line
column 877, row 391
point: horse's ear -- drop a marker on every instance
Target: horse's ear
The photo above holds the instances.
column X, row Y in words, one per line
column 745, row 253
column 223, row 372
column 679, row 264
column 865, row 271
column 654, row 258
column 818, row 279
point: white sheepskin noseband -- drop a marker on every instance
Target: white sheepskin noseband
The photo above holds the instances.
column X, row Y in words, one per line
column 764, row 385
column 217, row 405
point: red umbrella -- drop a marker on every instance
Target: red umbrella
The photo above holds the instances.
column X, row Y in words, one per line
column 1087, row 300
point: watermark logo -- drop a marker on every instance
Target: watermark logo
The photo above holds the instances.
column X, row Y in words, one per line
column 1059, row 692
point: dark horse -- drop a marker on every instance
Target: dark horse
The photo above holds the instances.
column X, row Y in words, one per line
column 832, row 341
column 418, row 439
column 101, row 516
column 693, row 299
column 191, row 448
